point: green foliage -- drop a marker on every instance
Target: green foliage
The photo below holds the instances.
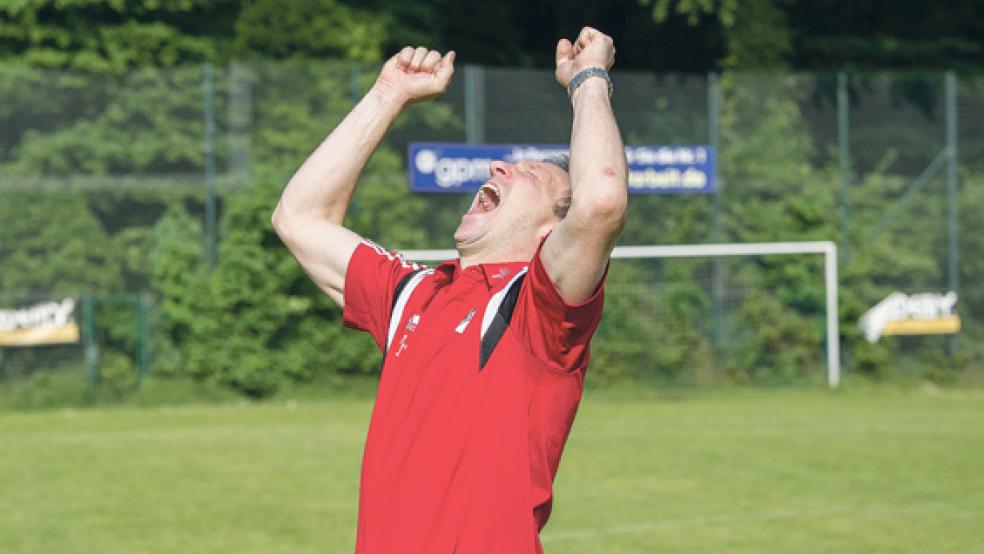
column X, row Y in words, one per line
column 310, row 29
column 258, row 323
column 297, row 104
column 653, row 327
column 725, row 10
column 135, row 124
column 178, row 275
column 117, row 376
column 113, row 36
column 755, row 31
column 52, row 243
column 47, row 389
column 127, row 121
column 818, row 35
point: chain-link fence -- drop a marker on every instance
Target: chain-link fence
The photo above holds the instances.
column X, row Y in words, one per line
column 161, row 182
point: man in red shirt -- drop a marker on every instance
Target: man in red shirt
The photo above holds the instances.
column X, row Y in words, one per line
column 484, row 356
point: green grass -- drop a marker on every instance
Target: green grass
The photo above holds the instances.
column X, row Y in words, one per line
column 722, row 471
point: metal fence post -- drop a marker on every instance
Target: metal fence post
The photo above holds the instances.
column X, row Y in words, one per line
column 90, row 348
column 143, row 337
column 209, row 146
column 717, row 269
column 240, row 120
column 356, row 91
column 474, row 104
column 844, row 157
column 952, row 190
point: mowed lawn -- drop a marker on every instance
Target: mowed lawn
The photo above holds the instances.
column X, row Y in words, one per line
column 723, row 471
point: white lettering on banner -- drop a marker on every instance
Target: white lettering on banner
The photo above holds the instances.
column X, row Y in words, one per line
column 533, row 153
column 452, row 172
column 425, row 160
column 48, row 314
column 670, row 178
column 900, row 306
column 665, row 155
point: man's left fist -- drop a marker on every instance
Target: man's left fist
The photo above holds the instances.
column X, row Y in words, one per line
column 591, row 49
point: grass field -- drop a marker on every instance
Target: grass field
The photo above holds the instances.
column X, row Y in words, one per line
column 721, row 471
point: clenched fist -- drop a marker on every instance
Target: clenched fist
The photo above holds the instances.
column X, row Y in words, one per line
column 416, row 74
column 591, row 49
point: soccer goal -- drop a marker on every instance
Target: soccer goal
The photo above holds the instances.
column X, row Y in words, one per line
column 767, row 304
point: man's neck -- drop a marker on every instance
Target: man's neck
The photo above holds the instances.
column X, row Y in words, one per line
column 469, row 257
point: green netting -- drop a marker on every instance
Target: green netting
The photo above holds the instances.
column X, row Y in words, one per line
column 102, row 191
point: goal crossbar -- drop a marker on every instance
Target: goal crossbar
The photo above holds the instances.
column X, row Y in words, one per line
column 827, row 248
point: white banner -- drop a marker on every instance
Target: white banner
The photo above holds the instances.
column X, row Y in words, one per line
column 911, row 314
column 50, row 322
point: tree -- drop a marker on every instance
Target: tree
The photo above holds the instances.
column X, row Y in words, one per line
column 114, row 36
column 310, row 29
column 755, row 32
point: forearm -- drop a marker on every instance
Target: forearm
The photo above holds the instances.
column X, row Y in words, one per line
column 322, row 187
column 598, row 168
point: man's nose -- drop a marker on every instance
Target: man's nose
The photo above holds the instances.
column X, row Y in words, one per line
column 500, row 168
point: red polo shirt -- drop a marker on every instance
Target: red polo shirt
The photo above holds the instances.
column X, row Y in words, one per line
column 472, row 413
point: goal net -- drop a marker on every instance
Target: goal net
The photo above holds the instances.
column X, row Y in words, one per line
column 704, row 313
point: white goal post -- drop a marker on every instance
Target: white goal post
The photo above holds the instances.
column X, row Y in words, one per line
column 827, row 248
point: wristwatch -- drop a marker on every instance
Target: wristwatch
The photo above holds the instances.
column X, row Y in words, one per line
column 586, row 74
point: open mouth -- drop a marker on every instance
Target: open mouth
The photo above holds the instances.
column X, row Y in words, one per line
column 489, row 197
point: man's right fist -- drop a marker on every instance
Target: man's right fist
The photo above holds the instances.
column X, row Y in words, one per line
column 416, row 74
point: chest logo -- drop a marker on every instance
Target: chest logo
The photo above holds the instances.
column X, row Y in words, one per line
column 460, row 329
column 402, row 347
column 413, row 322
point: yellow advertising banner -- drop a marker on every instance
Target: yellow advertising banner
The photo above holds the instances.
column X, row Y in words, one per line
column 912, row 314
column 45, row 323
column 40, row 335
column 947, row 325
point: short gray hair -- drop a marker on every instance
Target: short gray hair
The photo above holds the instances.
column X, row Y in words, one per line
column 562, row 161
column 561, row 207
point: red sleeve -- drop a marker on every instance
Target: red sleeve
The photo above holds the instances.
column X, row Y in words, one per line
column 370, row 279
column 556, row 332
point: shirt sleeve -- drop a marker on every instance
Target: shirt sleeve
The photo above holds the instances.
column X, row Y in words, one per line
column 370, row 280
column 556, row 332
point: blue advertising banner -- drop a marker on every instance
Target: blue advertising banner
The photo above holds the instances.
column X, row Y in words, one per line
column 455, row 167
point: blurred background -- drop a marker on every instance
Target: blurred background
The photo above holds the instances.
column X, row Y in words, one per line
column 144, row 144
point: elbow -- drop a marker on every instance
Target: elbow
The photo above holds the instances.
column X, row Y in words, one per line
column 281, row 221
column 606, row 209
column 277, row 219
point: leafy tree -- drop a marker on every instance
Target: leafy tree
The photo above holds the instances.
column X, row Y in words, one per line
column 49, row 245
column 310, row 29
column 147, row 122
column 113, row 36
column 834, row 34
column 123, row 115
column 756, row 33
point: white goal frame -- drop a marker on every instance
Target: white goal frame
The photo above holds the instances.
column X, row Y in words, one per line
column 827, row 248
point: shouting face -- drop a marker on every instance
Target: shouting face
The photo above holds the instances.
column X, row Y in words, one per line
column 513, row 211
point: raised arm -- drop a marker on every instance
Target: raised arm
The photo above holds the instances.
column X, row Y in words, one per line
column 576, row 252
column 311, row 210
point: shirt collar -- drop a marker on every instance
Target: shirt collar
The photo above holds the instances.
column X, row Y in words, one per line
column 448, row 271
column 495, row 275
